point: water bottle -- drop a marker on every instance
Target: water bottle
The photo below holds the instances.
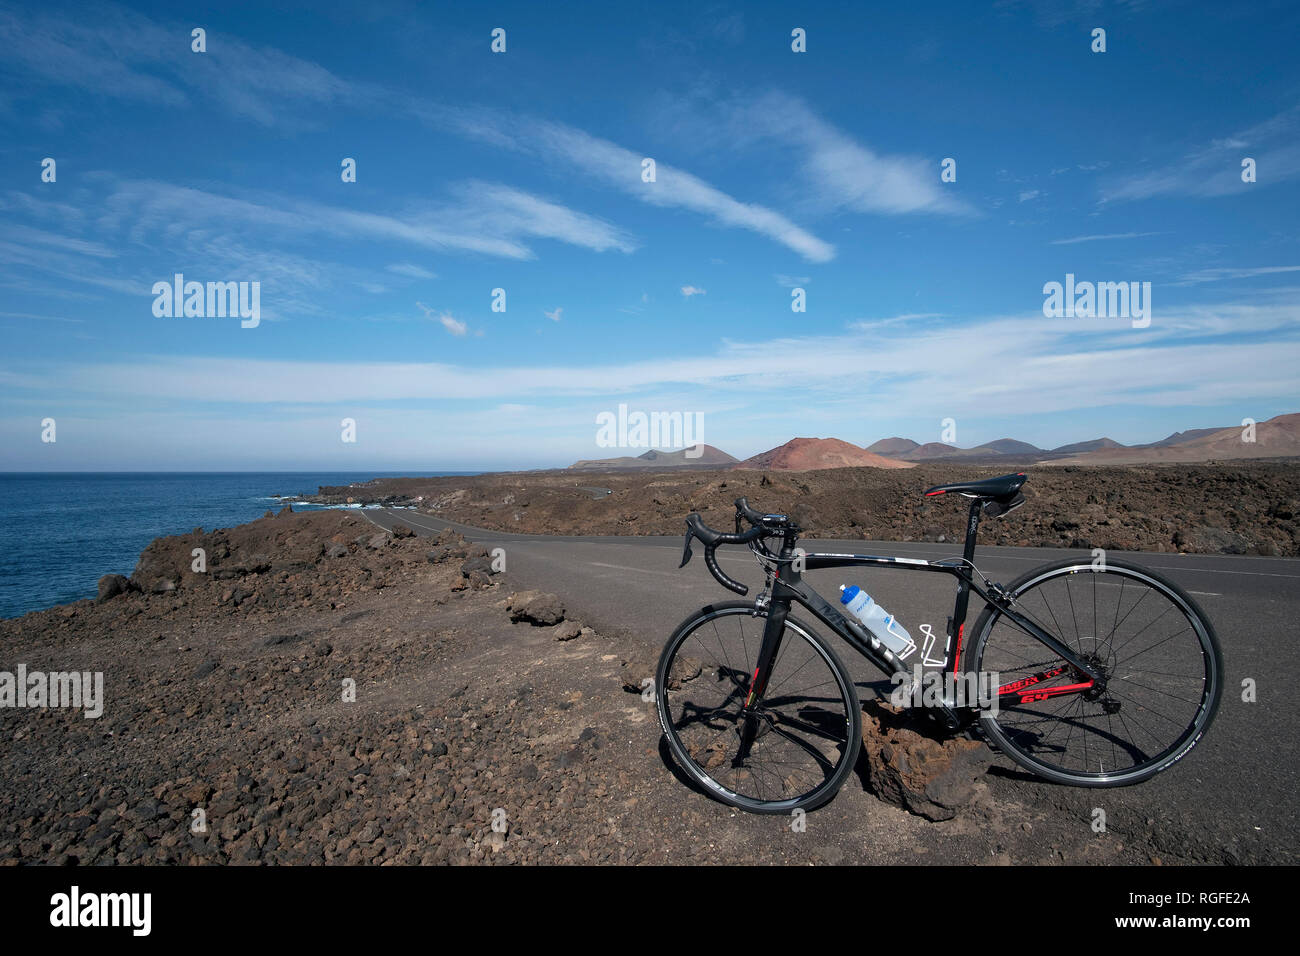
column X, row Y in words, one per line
column 883, row 626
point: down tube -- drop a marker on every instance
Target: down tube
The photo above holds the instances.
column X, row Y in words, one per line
column 830, row 615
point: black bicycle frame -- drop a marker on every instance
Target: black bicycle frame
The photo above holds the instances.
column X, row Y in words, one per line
column 788, row 587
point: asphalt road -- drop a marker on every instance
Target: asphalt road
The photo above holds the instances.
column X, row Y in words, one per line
column 1233, row 797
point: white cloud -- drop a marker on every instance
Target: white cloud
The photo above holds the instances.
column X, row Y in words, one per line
column 445, row 319
column 410, row 270
column 1193, row 355
column 865, row 325
column 690, row 290
column 840, row 172
column 514, row 212
column 147, row 63
column 1218, row 275
column 1215, row 169
column 490, row 219
column 68, row 244
column 621, row 168
column 1099, row 238
column 553, row 316
column 116, row 52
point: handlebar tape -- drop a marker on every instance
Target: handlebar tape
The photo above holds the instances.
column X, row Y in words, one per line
column 711, row 539
column 711, row 561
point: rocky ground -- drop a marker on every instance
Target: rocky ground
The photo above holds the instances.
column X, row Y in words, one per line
column 1230, row 508
column 486, row 727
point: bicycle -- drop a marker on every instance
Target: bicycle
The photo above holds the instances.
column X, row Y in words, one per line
column 770, row 721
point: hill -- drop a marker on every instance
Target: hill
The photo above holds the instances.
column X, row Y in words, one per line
column 893, row 447
column 1081, row 446
column 1009, row 446
column 709, row 456
column 814, row 454
column 1278, row 437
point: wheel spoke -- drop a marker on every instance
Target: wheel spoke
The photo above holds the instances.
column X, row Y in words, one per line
column 1144, row 715
column 806, row 721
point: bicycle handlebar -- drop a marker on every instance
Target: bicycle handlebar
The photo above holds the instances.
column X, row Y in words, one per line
column 711, row 538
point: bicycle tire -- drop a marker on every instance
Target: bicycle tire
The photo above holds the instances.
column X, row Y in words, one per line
column 1203, row 630
column 666, row 699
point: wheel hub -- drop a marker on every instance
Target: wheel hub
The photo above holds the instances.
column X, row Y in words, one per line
column 1096, row 694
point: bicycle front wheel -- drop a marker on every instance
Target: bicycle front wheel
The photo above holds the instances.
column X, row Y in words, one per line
column 1155, row 648
column 809, row 728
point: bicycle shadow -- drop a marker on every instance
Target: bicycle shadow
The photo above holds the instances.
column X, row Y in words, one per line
column 1003, row 769
column 877, row 690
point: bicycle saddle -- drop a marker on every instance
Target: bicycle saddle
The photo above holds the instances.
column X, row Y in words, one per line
column 1004, row 486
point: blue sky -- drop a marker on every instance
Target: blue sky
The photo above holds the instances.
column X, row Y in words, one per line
column 522, row 170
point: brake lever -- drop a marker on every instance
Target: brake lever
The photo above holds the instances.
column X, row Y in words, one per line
column 686, row 549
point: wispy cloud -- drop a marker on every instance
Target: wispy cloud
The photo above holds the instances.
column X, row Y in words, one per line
column 840, row 172
column 445, row 319
column 1219, row 275
column 690, row 290
column 254, row 236
column 113, row 52
column 37, row 317
column 621, row 168
column 514, row 212
column 1215, row 169
column 553, row 316
column 865, row 325
column 127, row 55
column 40, row 237
column 490, row 219
column 1100, row 238
column 410, row 270
column 1198, row 355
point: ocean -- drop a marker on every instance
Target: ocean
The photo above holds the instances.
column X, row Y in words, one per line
column 59, row 532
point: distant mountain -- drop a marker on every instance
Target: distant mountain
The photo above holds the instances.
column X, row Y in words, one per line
column 893, row 447
column 814, row 454
column 1082, row 446
column 709, row 457
column 935, row 449
column 1178, row 438
column 1279, row 437
column 1009, row 446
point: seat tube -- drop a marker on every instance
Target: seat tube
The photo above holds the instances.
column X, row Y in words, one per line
column 958, row 619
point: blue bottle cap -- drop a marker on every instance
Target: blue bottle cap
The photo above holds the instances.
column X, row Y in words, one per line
column 847, row 594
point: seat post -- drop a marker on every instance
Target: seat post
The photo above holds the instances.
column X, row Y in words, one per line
column 957, row 623
column 972, row 528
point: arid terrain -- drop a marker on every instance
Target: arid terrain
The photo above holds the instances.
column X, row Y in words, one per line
column 1228, row 508
column 227, row 735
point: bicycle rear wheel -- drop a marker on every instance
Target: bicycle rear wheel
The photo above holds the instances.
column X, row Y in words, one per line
column 809, row 725
column 1155, row 648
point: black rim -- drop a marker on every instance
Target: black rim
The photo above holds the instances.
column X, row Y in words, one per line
column 804, row 725
column 1152, row 648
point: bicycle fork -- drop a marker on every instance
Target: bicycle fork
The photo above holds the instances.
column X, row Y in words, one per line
column 767, row 654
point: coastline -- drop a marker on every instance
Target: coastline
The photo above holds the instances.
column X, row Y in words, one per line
column 59, row 531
